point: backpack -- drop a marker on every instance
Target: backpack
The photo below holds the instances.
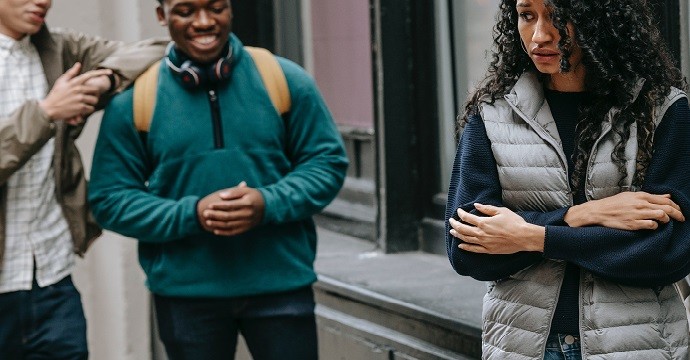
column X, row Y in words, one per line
column 146, row 85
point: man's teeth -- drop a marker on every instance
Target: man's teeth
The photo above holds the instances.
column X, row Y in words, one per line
column 205, row 40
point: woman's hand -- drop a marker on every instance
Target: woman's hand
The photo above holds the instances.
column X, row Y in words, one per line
column 626, row 211
column 501, row 232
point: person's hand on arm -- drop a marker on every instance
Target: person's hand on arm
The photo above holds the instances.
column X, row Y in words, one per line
column 231, row 211
column 502, row 231
column 626, row 211
column 104, row 83
column 74, row 96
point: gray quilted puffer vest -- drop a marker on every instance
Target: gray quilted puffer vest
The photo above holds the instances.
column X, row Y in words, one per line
column 616, row 321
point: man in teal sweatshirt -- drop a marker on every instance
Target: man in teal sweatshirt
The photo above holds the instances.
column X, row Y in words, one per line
column 220, row 192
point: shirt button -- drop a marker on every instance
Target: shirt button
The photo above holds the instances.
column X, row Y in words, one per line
column 569, row 339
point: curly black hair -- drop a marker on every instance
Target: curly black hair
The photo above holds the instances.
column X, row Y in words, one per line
column 620, row 45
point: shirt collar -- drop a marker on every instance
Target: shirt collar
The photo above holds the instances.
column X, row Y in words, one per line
column 9, row 45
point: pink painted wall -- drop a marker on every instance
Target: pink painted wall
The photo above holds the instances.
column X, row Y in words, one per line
column 342, row 59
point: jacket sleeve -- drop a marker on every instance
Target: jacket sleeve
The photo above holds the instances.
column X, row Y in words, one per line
column 644, row 257
column 131, row 60
column 22, row 134
column 316, row 151
column 118, row 194
column 128, row 60
column 86, row 49
column 475, row 179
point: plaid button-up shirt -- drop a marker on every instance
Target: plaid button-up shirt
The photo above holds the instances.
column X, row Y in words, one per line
column 37, row 235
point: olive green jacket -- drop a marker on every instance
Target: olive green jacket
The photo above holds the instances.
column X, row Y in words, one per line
column 28, row 128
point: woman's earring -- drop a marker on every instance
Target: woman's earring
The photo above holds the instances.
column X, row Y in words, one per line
column 522, row 44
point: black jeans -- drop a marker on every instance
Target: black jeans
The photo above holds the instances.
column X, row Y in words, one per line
column 43, row 323
column 274, row 326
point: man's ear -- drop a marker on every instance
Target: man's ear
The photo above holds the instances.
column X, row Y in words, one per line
column 160, row 13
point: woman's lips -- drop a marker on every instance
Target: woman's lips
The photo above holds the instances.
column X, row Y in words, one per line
column 545, row 56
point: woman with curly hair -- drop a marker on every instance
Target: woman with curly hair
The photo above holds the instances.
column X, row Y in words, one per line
column 570, row 184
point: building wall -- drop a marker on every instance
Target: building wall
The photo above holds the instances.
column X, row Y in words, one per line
column 341, row 53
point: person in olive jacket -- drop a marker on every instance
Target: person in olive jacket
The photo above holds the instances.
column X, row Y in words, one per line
column 50, row 82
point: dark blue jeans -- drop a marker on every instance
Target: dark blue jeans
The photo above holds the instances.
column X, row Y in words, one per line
column 562, row 347
column 43, row 323
column 274, row 326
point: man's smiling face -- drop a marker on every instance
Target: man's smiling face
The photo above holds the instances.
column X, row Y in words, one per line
column 199, row 28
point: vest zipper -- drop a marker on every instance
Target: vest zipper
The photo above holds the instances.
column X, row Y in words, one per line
column 215, row 115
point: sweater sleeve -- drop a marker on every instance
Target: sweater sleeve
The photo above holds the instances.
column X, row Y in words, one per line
column 645, row 257
column 475, row 179
column 316, row 152
column 118, row 195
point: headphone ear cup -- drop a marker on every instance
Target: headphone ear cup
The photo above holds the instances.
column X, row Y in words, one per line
column 190, row 76
column 222, row 69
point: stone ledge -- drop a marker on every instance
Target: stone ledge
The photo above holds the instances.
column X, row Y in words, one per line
column 421, row 290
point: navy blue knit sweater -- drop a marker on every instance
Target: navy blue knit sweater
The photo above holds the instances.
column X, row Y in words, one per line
column 646, row 258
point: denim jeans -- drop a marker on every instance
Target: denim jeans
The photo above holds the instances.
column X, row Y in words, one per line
column 562, row 347
column 274, row 326
column 43, row 323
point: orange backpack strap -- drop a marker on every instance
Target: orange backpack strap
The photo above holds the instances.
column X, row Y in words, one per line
column 145, row 88
column 273, row 77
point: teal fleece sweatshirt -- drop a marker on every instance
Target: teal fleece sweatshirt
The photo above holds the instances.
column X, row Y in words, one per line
column 149, row 191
